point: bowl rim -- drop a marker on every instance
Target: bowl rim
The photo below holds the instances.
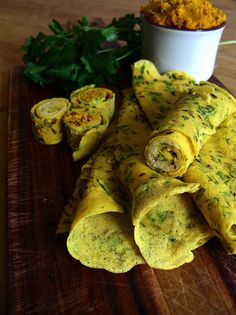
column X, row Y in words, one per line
column 147, row 21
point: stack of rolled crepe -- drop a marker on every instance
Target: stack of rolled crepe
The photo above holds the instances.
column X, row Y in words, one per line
column 160, row 225
column 198, row 130
column 85, row 119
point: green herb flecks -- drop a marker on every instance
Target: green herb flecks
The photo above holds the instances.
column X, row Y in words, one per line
column 103, row 186
column 172, row 238
column 159, row 217
column 163, row 215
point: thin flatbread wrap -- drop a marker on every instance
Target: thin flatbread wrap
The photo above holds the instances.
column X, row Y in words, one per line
column 101, row 234
column 172, row 147
column 215, row 169
column 87, row 121
column 47, row 117
column 167, row 225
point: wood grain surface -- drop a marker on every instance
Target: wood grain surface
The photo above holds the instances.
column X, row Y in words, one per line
column 44, row 279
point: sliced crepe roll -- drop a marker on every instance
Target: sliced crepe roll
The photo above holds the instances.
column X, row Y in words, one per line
column 87, row 122
column 94, row 98
column 47, row 120
column 84, row 131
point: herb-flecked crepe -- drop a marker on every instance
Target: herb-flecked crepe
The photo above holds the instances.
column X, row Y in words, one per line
column 87, row 121
column 215, row 169
column 167, row 225
column 157, row 93
column 47, row 117
column 101, row 232
column 214, row 166
column 188, row 115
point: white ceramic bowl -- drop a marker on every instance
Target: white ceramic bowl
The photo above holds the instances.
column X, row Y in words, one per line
column 192, row 51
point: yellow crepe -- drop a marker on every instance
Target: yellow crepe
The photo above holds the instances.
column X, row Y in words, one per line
column 157, row 93
column 215, row 170
column 172, row 147
column 183, row 115
column 101, row 234
column 167, row 224
column 47, row 120
column 87, row 121
column 214, row 167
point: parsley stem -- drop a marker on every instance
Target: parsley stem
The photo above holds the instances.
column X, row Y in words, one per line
column 128, row 53
column 227, row 42
column 107, row 50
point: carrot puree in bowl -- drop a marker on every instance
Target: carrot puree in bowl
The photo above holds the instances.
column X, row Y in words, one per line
column 183, row 14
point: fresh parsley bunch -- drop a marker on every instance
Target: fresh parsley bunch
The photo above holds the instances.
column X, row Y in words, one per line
column 84, row 54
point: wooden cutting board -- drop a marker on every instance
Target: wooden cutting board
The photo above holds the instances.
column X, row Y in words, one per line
column 44, row 279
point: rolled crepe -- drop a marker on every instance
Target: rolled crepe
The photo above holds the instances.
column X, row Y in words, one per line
column 167, row 224
column 215, row 170
column 101, row 234
column 183, row 114
column 86, row 123
column 94, row 98
column 84, row 131
column 172, row 147
column 47, row 120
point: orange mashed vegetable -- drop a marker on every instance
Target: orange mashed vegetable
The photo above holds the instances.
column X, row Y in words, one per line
column 183, row 14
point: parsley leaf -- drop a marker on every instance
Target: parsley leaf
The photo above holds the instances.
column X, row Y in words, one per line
column 84, row 54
